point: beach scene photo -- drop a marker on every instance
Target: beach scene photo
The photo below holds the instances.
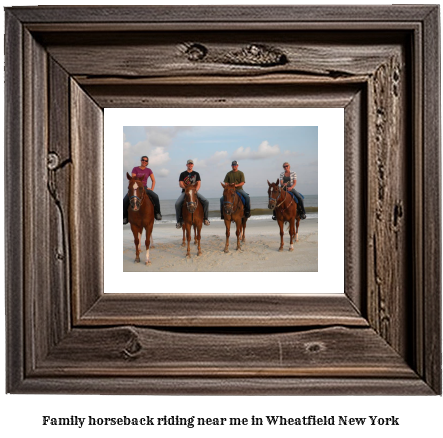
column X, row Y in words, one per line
column 262, row 154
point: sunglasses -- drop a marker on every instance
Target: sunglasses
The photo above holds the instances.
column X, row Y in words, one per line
column 285, row 166
column 145, row 160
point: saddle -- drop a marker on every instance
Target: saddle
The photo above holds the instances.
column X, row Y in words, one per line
column 242, row 198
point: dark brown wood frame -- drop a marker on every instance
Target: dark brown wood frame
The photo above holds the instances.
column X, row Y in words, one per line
column 64, row 65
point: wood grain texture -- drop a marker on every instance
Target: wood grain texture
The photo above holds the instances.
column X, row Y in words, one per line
column 14, row 263
column 222, row 14
column 130, row 351
column 355, row 189
column 385, row 339
column 86, row 200
column 241, row 310
column 432, row 334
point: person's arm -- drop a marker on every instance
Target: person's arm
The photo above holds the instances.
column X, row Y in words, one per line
column 153, row 182
column 198, row 185
column 240, row 184
column 295, row 182
column 181, row 184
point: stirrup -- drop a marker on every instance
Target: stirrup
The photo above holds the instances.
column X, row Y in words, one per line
column 274, row 218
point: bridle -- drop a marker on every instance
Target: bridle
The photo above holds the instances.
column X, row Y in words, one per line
column 190, row 204
column 271, row 199
column 226, row 203
column 140, row 200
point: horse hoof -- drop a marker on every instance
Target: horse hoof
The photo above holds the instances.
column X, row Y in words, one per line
column 226, row 251
column 280, row 249
column 148, row 262
column 199, row 253
column 291, row 249
column 183, row 244
column 137, row 260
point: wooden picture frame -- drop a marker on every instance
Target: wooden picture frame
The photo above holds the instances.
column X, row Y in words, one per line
column 65, row 64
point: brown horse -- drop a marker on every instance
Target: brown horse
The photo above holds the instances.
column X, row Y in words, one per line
column 192, row 213
column 233, row 211
column 140, row 215
column 285, row 211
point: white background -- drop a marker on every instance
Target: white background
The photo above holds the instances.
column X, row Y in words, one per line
column 330, row 124
column 21, row 414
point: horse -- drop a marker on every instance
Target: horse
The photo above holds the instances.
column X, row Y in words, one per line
column 233, row 211
column 285, row 211
column 192, row 213
column 140, row 215
column 184, row 235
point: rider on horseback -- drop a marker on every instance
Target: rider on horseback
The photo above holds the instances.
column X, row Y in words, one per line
column 290, row 179
column 144, row 172
column 187, row 177
column 237, row 177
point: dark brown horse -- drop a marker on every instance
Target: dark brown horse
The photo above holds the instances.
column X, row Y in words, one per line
column 140, row 215
column 285, row 211
column 192, row 212
column 233, row 211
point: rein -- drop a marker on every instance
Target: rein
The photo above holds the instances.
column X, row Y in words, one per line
column 282, row 202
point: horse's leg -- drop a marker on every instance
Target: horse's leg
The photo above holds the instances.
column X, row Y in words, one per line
column 148, row 241
column 238, row 232
column 137, row 236
column 292, row 233
column 228, row 233
column 280, row 224
column 184, row 231
column 244, row 220
column 152, row 242
column 199, row 228
column 296, row 232
column 188, row 238
column 196, row 241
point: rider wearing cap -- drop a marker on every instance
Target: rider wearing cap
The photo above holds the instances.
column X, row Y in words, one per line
column 187, row 177
column 237, row 177
column 144, row 172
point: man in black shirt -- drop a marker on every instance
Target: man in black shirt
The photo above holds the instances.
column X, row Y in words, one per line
column 190, row 177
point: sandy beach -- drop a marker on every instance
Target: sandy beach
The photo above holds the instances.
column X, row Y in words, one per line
column 258, row 254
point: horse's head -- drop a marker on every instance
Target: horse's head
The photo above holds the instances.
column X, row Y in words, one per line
column 228, row 197
column 191, row 197
column 274, row 192
column 136, row 192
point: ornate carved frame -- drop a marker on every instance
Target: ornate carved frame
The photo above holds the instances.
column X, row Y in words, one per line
column 64, row 65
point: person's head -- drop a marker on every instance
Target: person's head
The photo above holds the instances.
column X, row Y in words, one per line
column 234, row 166
column 286, row 166
column 190, row 165
column 144, row 160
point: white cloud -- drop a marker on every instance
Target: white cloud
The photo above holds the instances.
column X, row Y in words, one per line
column 162, row 173
column 265, row 150
column 217, row 159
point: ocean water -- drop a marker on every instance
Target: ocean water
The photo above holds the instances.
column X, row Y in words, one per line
column 258, row 203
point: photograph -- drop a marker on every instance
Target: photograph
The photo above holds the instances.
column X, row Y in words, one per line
column 220, row 198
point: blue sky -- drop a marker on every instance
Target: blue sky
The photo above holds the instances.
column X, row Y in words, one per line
column 260, row 151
